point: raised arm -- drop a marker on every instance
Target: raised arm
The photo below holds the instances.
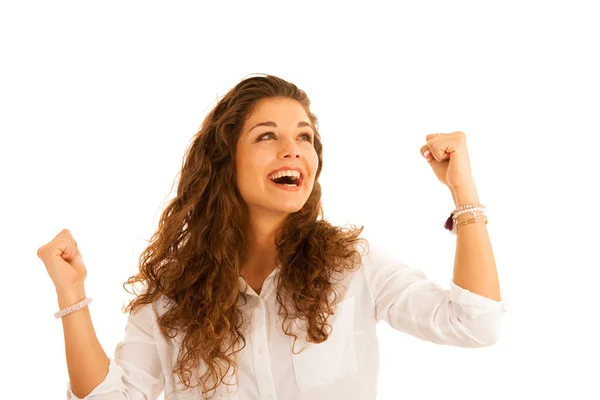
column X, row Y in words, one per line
column 135, row 372
column 412, row 303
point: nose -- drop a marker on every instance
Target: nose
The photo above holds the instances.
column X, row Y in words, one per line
column 289, row 149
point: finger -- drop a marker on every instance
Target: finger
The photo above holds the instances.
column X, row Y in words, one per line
column 60, row 237
column 76, row 248
column 426, row 152
column 63, row 243
column 433, row 136
column 438, row 148
column 71, row 249
column 62, row 246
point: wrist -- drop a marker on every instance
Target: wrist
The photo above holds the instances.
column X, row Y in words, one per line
column 463, row 195
column 68, row 298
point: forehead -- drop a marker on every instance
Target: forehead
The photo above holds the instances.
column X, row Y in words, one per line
column 278, row 109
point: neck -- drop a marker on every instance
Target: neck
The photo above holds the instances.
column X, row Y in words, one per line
column 262, row 252
column 263, row 224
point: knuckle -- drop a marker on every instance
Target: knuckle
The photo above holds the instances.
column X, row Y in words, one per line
column 42, row 251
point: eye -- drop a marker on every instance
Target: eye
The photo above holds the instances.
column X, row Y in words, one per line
column 265, row 134
column 308, row 136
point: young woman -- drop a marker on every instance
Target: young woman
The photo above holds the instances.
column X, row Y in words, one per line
column 249, row 293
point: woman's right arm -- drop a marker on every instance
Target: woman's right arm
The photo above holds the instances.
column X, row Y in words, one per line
column 86, row 360
column 135, row 372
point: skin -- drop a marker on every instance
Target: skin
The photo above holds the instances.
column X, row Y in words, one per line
column 257, row 155
column 474, row 262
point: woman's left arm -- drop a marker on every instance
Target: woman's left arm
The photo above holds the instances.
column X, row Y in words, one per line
column 474, row 264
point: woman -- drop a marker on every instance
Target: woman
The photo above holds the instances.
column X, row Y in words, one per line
column 249, row 293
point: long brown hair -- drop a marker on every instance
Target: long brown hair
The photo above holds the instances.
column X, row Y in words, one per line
column 195, row 256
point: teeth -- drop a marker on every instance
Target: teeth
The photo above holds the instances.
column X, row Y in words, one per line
column 288, row 172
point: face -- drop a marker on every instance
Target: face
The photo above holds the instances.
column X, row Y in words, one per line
column 288, row 142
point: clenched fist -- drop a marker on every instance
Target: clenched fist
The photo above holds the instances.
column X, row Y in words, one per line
column 64, row 263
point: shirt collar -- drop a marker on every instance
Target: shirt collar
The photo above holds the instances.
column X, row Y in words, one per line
column 245, row 288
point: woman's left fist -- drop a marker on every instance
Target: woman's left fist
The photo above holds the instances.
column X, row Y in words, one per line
column 449, row 158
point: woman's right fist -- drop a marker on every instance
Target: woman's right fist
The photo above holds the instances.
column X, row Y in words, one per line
column 63, row 262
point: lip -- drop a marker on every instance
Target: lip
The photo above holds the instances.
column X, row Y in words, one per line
column 288, row 167
column 289, row 188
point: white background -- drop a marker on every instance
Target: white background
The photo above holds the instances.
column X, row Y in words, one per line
column 98, row 102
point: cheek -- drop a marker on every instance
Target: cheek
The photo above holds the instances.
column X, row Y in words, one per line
column 314, row 162
column 244, row 177
column 249, row 171
column 245, row 186
column 241, row 174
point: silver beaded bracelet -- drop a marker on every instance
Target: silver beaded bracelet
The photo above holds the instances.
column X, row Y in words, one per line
column 73, row 308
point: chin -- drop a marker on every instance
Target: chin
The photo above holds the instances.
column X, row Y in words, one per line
column 271, row 209
column 289, row 210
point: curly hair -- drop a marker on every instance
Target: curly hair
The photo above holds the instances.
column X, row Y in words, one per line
column 195, row 256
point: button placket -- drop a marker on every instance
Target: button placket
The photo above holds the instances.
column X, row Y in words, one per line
column 262, row 363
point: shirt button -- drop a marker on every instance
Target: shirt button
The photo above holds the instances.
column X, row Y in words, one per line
column 260, row 351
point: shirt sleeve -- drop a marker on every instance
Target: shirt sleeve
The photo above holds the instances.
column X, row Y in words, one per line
column 135, row 371
column 410, row 302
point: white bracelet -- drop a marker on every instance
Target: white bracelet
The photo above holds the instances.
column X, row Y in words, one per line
column 73, row 308
column 469, row 210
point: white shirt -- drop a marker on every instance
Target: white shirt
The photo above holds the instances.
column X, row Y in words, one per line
column 345, row 366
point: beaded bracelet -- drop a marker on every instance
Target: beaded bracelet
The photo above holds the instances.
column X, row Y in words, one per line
column 73, row 308
column 452, row 221
column 469, row 211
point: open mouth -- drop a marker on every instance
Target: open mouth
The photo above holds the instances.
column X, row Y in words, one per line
column 289, row 181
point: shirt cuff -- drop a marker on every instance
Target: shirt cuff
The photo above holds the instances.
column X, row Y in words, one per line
column 111, row 383
column 475, row 304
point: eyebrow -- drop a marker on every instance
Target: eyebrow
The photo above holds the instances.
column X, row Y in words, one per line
column 274, row 125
